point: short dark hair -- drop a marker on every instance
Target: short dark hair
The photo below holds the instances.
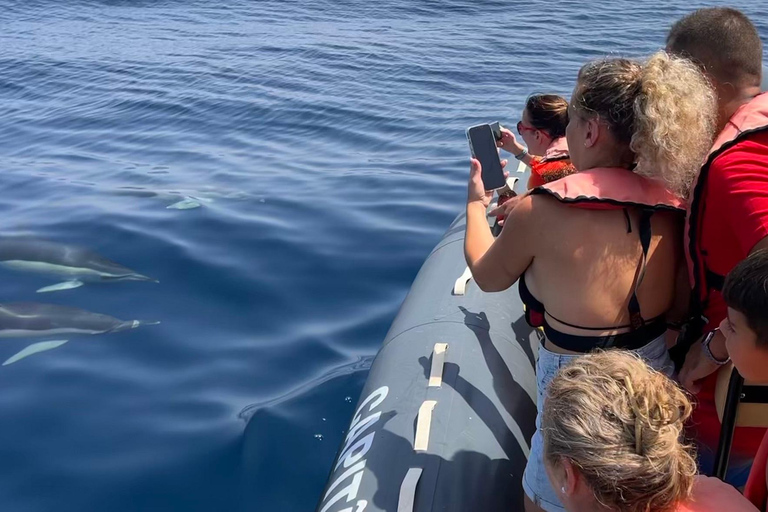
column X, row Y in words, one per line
column 548, row 113
column 746, row 291
column 723, row 41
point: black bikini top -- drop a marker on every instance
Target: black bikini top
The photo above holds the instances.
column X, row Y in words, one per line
column 642, row 332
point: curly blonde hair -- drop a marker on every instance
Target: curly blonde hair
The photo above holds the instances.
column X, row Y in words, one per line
column 621, row 424
column 664, row 110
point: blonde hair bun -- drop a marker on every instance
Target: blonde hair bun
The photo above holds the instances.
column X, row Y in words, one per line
column 663, row 109
column 621, row 423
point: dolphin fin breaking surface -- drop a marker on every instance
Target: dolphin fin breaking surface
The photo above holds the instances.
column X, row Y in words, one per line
column 34, row 349
column 65, row 285
column 185, row 204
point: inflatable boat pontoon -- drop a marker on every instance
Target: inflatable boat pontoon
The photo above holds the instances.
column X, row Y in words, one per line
column 446, row 416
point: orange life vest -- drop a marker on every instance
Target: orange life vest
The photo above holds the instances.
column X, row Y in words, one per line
column 612, row 188
column 555, row 164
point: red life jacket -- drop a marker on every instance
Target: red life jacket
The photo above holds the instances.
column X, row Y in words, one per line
column 750, row 118
column 608, row 189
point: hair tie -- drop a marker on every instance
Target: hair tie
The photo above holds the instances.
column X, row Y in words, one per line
column 636, row 411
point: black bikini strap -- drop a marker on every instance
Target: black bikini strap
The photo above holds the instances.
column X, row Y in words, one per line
column 631, row 340
column 611, row 328
column 629, row 221
column 635, row 317
column 644, row 231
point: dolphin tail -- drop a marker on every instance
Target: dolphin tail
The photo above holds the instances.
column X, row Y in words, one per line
column 34, row 348
column 66, row 285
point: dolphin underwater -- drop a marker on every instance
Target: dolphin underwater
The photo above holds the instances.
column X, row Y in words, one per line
column 74, row 263
column 38, row 320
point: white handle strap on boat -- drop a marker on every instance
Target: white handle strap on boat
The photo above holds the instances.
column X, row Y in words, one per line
column 408, row 490
column 438, row 359
column 461, row 283
column 423, row 424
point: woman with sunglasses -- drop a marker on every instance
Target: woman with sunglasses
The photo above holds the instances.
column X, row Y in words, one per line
column 596, row 254
column 542, row 127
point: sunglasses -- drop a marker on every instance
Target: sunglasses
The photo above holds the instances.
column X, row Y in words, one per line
column 523, row 128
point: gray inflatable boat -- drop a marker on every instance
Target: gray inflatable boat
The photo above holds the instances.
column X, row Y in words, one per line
column 446, row 416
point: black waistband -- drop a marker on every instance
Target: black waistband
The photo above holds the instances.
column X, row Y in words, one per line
column 631, row 340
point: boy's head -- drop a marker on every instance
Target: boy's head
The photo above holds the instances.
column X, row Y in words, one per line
column 746, row 326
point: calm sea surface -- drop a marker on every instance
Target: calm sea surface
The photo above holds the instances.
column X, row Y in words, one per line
column 324, row 144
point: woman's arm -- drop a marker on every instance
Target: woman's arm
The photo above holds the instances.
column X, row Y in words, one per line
column 496, row 264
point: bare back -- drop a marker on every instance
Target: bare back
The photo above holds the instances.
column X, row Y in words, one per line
column 585, row 263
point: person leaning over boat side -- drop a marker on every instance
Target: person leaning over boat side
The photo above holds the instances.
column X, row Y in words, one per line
column 613, row 441
column 728, row 213
column 589, row 246
column 542, row 127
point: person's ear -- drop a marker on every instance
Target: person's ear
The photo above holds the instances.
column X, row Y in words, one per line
column 570, row 478
column 592, row 131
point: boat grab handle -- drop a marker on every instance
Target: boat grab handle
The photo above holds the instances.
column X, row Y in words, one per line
column 460, row 287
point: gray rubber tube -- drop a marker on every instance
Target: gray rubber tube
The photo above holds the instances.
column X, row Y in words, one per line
column 485, row 409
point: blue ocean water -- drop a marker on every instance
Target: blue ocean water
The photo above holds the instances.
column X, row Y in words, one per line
column 324, row 142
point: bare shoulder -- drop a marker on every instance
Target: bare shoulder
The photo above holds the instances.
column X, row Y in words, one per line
column 528, row 221
column 535, row 207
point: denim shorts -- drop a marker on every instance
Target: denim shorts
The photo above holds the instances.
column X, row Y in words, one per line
column 535, row 481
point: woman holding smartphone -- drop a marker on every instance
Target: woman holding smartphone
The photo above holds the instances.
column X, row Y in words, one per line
column 597, row 253
column 542, row 127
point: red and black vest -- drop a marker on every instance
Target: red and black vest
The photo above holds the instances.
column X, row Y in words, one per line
column 750, row 118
